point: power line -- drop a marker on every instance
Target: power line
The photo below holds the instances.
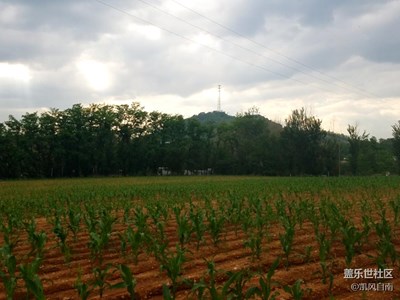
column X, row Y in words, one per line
column 195, row 42
column 206, row 46
column 219, row 98
column 228, row 41
column 274, row 51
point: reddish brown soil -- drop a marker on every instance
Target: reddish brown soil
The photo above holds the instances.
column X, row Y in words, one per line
column 58, row 277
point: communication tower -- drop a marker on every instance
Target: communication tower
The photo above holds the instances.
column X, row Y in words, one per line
column 219, row 98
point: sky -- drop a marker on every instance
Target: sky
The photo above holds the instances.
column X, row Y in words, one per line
column 338, row 59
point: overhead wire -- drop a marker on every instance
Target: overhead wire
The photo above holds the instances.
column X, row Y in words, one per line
column 233, row 43
column 293, row 60
column 223, row 39
column 196, row 42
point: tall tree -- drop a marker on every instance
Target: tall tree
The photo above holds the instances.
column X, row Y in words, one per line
column 77, row 141
column 224, row 145
column 251, row 143
column 355, row 140
column 302, row 142
column 5, row 153
column 131, row 125
column 52, row 151
column 199, row 145
column 15, row 156
column 174, row 143
column 31, row 144
column 102, row 122
column 396, row 143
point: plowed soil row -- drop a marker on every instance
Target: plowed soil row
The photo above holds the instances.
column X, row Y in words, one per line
column 59, row 276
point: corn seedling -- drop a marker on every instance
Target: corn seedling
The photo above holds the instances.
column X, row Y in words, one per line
column 351, row 239
column 105, row 227
column 158, row 212
column 135, row 240
column 160, row 231
column 247, row 223
column 202, row 286
column 197, row 219
column 295, row 290
column 129, row 282
column 167, row 293
column 172, row 264
column 158, row 247
column 215, row 224
column 96, row 246
column 234, row 211
column 74, row 219
column 123, row 243
column 184, row 227
column 332, row 217
column 99, row 235
column 62, row 234
column 254, row 242
column 287, row 237
column 8, row 271
column 91, row 218
column 8, row 229
column 307, row 254
column 32, row 280
column 234, row 287
column 127, row 215
column 82, row 288
column 395, row 205
column 266, row 285
column 324, row 251
column 36, row 239
column 100, row 278
column 385, row 245
column 141, row 220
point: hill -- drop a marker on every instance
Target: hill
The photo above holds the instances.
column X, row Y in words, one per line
column 217, row 117
column 214, row 117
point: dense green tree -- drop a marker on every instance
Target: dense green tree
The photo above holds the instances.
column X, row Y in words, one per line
column 130, row 126
column 8, row 164
column 174, row 143
column 386, row 160
column 224, row 145
column 396, row 143
column 51, row 150
column 16, row 154
column 152, row 143
column 356, row 141
column 199, row 138
column 102, row 123
column 302, row 139
column 251, row 143
column 124, row 139
column 77, row 142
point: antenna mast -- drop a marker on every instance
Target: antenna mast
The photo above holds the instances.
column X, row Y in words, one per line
column 219, row 98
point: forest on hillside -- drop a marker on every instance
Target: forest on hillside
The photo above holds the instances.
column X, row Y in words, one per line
column 104, row 140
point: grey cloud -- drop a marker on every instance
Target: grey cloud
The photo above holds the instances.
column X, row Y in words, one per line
column 382, row 44
column 51, row 36
column 84, row 18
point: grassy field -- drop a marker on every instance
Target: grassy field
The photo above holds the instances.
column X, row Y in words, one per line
column 200, row 238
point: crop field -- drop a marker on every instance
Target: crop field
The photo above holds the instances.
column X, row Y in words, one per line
column 200, row 238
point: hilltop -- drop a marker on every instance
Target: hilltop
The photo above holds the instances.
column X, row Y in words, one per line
column 217, row 117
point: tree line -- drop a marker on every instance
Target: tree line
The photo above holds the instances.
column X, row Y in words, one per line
column 103, row 140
